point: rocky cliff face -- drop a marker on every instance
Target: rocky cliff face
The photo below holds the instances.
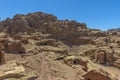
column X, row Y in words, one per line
column 45, row 23
column 42, row 47
column 69, row 31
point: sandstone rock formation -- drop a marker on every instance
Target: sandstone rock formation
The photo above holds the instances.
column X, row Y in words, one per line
column 41, row 47
column 14, row 47
column 11, row 69
column 98, row 75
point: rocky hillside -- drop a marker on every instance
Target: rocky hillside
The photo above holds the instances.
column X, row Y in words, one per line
column 38, row 46
column 114, row 30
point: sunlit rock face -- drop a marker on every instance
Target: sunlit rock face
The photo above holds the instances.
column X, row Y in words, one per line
column 38, row 46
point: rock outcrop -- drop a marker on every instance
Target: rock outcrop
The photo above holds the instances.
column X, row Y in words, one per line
column 11, row 70
column 98, row 75
column 46, row 23
column 41, row 47
column 101, row 56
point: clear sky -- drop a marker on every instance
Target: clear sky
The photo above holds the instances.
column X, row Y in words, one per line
column 100, row 14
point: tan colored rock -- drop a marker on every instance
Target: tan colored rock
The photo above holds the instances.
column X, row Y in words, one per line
column 31, row 76
column 22, row 36
column 41, row 35
column 57, row 49
column 11, row 69
column 3, row 35
column 97, row 33
column 98, row 74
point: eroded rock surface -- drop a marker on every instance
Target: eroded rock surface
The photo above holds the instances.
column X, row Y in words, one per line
column 41, row 47
column 98, row 75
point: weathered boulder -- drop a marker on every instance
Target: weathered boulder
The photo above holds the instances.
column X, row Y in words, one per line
column 98, row 74
column 11, row 70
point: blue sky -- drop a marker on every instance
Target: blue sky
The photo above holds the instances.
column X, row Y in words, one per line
column 99, row 14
